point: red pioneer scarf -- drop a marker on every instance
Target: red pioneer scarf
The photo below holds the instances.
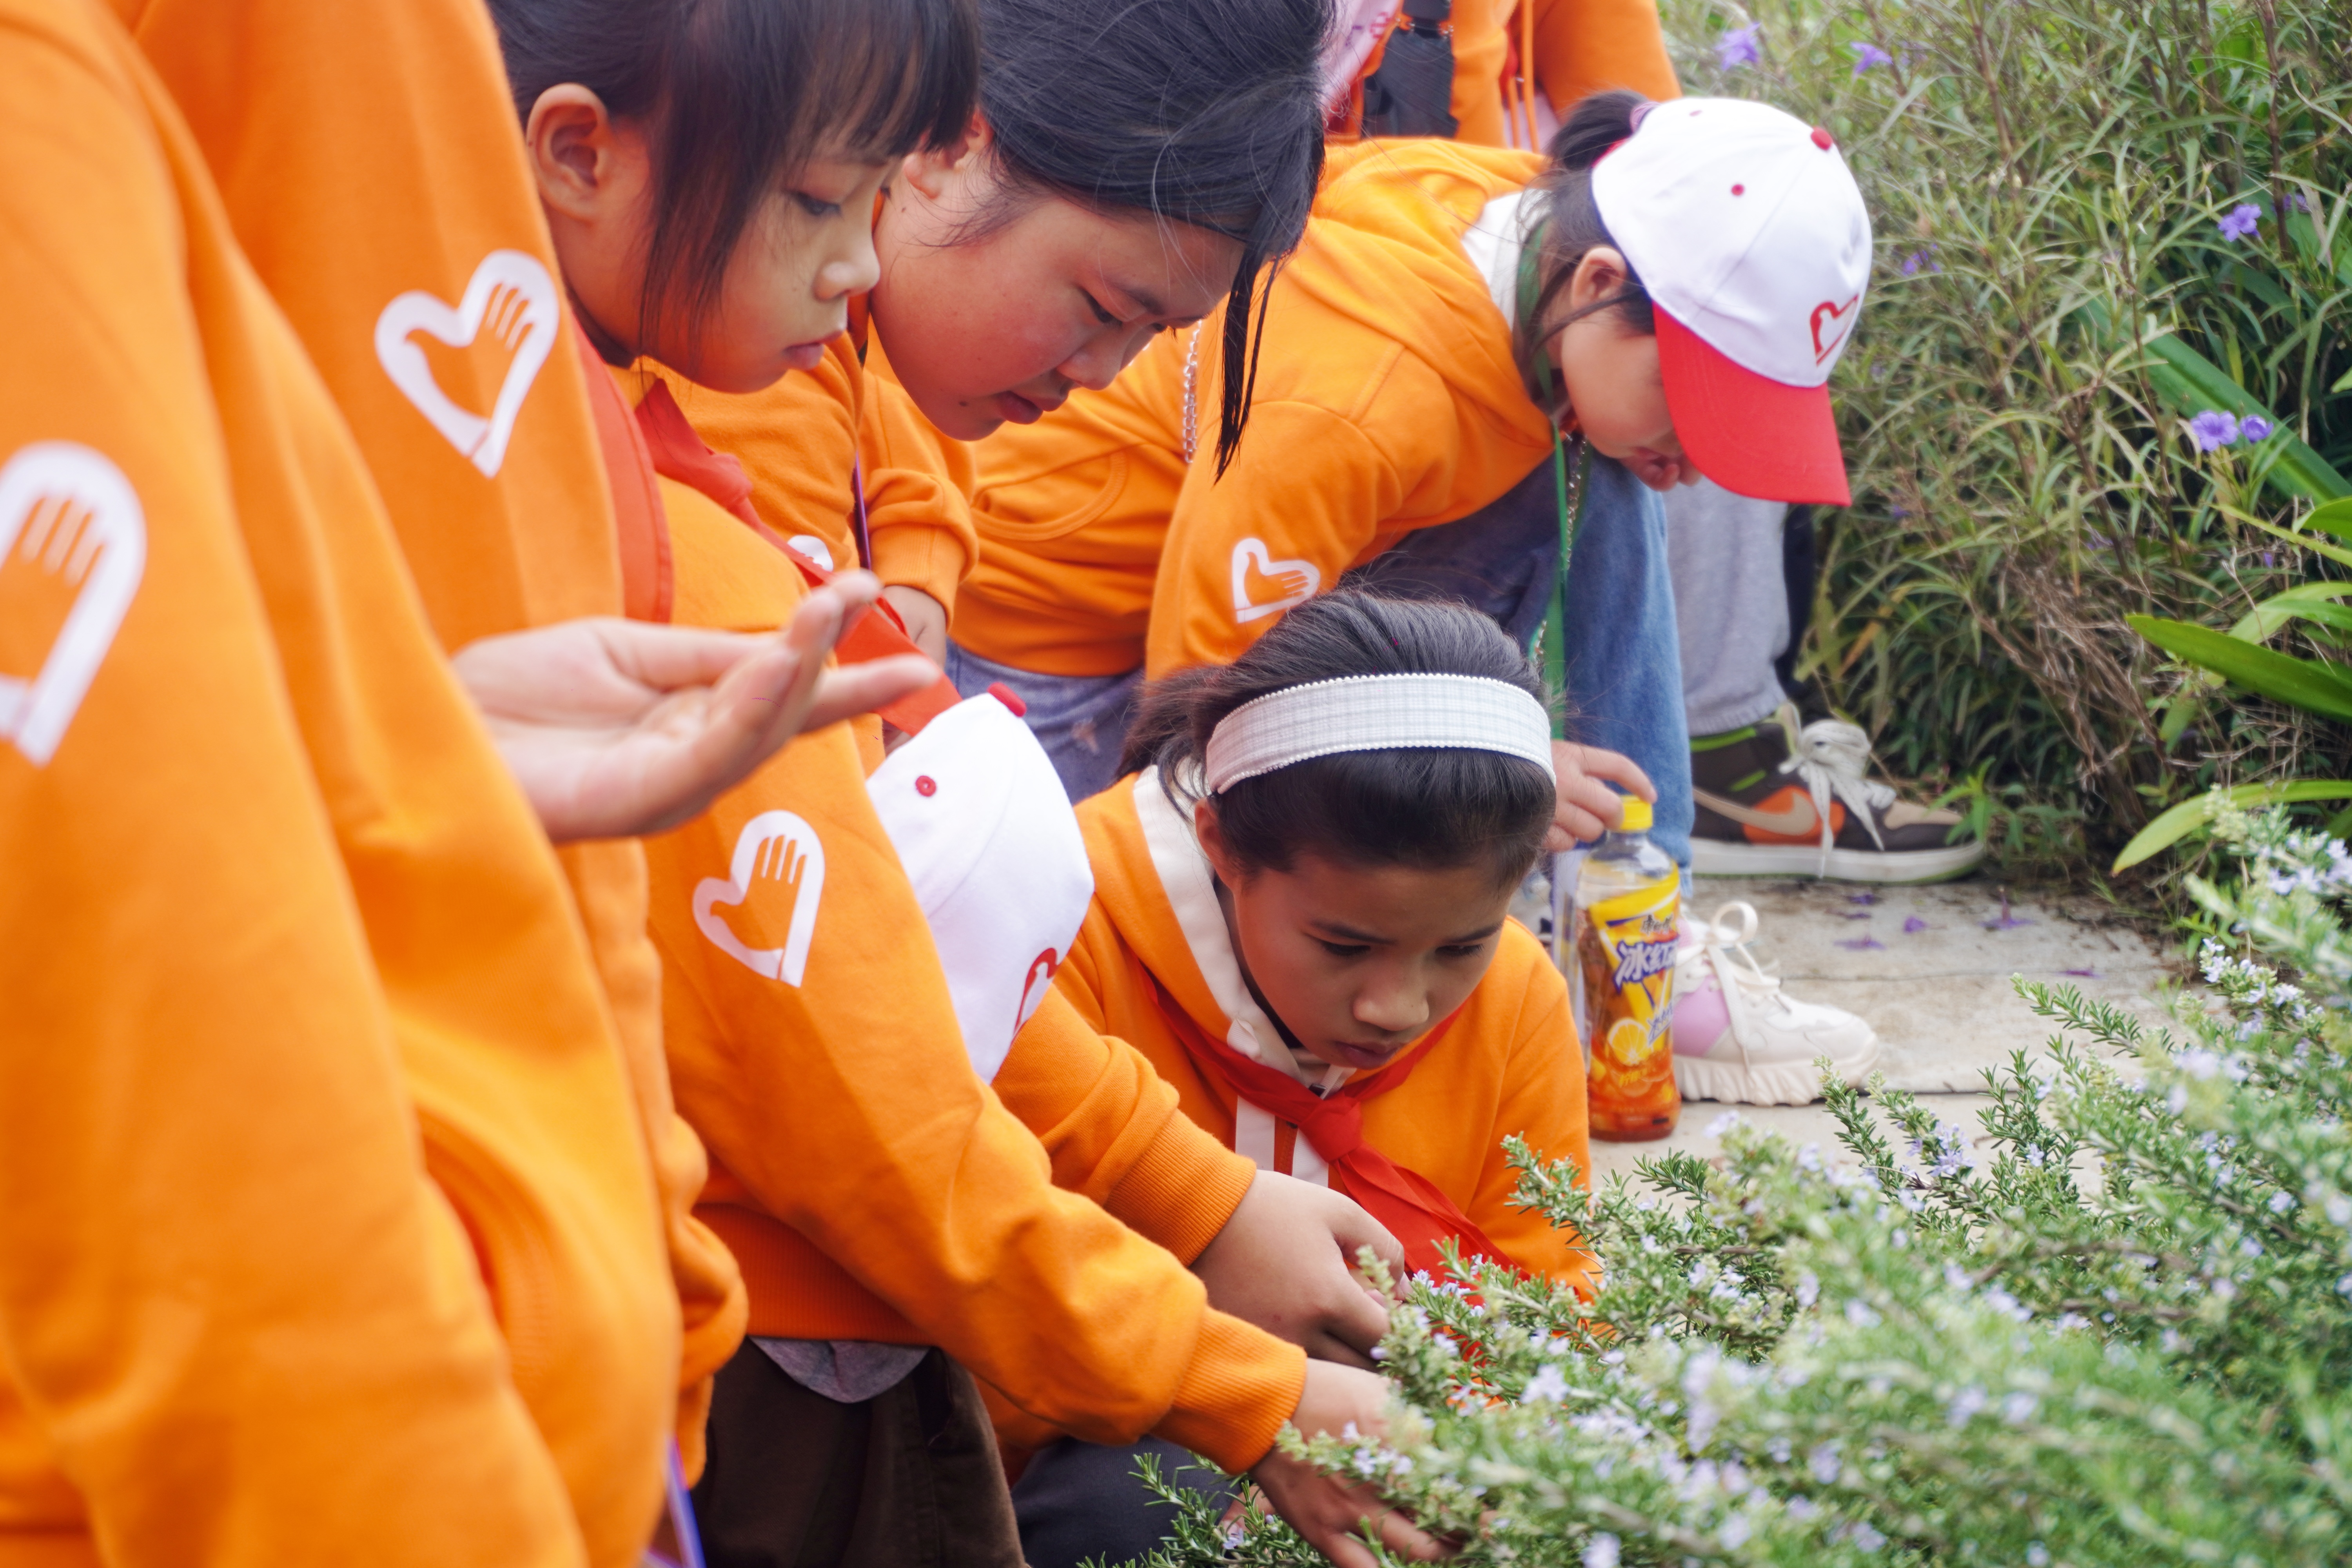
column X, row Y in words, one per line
column 679, row 453
column 1406, row 1201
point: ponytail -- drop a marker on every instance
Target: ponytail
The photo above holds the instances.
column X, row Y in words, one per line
column 1426, row 807
column 1567, row 226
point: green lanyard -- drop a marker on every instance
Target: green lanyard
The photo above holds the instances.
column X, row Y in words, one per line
column 1551, row 642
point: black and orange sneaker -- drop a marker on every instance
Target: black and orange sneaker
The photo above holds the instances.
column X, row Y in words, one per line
column 1768, row 809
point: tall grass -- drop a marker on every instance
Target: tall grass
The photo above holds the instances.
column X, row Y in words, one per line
column 2047, row 180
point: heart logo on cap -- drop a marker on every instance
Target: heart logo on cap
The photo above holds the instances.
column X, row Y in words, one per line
column 73, row 546
column 1263, row 587
column 512, row 294
column 1839, row 323
column 774, row 882
column 1042, row 970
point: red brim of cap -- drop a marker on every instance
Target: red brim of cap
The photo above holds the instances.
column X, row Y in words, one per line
column 1753, row 436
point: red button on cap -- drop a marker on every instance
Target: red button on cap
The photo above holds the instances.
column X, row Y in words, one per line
column 1011, row 698
column 1822, row 139
column 926, row 784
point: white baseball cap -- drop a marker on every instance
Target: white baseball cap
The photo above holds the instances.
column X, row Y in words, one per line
column 1749, row 232
column 998, row 863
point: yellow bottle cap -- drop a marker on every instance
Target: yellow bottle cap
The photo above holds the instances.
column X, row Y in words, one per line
column 1636, row 817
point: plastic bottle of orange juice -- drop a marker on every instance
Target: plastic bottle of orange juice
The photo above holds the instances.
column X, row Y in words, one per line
column 1628, row 902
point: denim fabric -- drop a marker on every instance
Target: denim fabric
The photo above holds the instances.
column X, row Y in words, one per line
column 1623, row 658
column 1080, row 719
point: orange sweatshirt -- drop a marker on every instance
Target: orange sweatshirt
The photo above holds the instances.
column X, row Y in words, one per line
column 801, row 440
column 1579, row 48
column 872, row 1185
column 321, row 1043
column 332, row 131
column 1388, row 398
column 1509, row 1064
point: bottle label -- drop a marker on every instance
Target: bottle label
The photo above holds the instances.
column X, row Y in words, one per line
column 1638, row 934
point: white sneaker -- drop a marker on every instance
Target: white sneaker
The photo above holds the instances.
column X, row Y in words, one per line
column 1738, row 1037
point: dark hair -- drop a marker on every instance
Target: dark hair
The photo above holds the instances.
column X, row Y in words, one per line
column 738, row 94
column 1206, row 112
column 1421, row 806
column 1568, row 226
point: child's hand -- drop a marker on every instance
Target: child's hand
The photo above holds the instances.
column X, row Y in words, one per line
column 1335, row 1518
column 1282, row 1263
column 616, row 728
column 926, row 619
column 1588, row 807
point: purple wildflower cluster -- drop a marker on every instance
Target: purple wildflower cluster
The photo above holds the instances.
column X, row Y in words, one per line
column 2241, row 221
column 1921, row 260
column 1867, row 57
column 1738, row 48
column 2214, row 430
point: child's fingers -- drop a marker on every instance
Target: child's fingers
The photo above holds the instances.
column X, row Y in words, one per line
column 1595, row 764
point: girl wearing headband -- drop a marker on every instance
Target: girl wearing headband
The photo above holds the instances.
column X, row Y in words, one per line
column 1300, row 917
column 1479, row 367
column 917, row 1259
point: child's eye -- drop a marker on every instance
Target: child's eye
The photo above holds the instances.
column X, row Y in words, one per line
column 1343, row 949
column 1463, row 950
column 816, row 207
column 1104, row 317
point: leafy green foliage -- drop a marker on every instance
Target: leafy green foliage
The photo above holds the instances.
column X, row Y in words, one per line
column 2117, row 1335
column 2055, row 298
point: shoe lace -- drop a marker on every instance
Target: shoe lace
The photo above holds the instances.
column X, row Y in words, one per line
column 1722, row 942
column 1832, row 759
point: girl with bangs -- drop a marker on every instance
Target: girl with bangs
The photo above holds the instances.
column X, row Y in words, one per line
column 901, row 1226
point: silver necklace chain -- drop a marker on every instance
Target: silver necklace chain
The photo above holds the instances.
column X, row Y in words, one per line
column 1193, row 392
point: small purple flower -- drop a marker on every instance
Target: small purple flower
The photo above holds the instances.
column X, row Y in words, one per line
column 1868, row 56
column 1864, row 944
column 1921, row 262
column 1898, row 512
column 2255, row 428
column 2269, row 558
column 1738, row 48
column 2214, row 430
column 2081, row 973
column 1913, row 925
column 1862, row 898
column 2298, row 201
column 2241, row 221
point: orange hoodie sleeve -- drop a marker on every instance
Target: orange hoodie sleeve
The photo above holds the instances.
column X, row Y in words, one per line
column 1312, row 490
column 1543, row 1100
column 919, row 486
column 237, row 1324
column 1114, row 1133
column 1584, row 46
column 368, row 161
column 873, row 1186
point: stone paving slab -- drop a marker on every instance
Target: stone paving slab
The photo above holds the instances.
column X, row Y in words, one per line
column 1931, row 967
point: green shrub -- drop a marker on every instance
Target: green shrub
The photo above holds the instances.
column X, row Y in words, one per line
column 2056, row 295
column 2120, row 1337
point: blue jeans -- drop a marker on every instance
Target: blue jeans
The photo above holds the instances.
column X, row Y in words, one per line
column 1080, row 719
column 1623, row 656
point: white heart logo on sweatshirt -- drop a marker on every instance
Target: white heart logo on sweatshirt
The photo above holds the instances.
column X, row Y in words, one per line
column 512, row 294
column 73, row 546
column 775, row 880
column 1255, row 577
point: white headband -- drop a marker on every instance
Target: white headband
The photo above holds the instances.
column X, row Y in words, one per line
column 1377, row 713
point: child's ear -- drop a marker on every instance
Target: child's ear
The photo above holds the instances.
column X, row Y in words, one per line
column 1601, row 273
column 933, row 172
column 1212, row 834
column 573, row 151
